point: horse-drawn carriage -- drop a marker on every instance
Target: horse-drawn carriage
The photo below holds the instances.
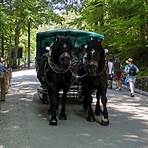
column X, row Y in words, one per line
column 65, row 58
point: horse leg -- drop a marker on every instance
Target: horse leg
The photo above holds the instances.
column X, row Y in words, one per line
column 104, row 120
column 53, row 119
column 91, row 116
column 62, row 115
column 44, row 93
column 98, row 110
column 50, row 102
column 85, row 100
column 85, row 103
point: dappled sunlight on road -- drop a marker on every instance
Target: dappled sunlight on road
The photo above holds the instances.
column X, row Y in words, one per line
column 137, row 112
column 18, row 84
column 131, row 105
column 25, row 99
column 23, row 72
column 27, row 117
column 132, row 138
column 4, row 111
column 25, row 83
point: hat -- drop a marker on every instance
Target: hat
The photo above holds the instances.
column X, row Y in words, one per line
column 130, row 60
column 106, row 50
column 1, row 59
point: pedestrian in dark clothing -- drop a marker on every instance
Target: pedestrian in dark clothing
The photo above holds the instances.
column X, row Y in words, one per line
column 118, row 73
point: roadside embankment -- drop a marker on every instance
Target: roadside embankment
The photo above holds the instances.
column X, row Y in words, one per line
column 142, row 83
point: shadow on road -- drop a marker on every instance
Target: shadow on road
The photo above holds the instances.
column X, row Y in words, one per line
column 24, row 117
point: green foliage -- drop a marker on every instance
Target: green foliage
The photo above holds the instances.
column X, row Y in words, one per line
column 14, row 18
column 143, row 72
column 124, row 24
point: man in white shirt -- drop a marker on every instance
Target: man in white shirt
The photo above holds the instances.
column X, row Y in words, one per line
column 110, row 72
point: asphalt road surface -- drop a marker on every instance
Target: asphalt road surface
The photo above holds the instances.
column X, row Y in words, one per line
column 24, row 120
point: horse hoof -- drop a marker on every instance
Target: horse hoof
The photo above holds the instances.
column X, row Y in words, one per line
column 62, row 117
column 101, row 120
column 91, row 119
column 53, row 122
column 105, row 123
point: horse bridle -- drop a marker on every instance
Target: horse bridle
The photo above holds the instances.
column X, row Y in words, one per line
column 60, row 70
column 94, row 62
column 57, row 69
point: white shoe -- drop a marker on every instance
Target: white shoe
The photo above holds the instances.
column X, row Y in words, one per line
column 132, row 95
column 118, row 89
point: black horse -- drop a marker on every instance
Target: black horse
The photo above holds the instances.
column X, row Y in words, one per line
column 57, row 75
column 96, row 79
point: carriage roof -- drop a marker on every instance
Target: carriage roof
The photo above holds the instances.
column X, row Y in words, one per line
column 69, row 32
column 78, row 38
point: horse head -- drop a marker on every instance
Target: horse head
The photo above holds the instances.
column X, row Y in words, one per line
column 61, row 54
column 65, row 56
column 95, row 57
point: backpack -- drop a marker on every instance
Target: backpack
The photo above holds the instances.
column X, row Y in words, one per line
column 132, row 71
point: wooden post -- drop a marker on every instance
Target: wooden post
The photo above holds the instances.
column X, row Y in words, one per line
column 2, row 81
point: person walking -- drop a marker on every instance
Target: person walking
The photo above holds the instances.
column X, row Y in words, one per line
column 2, row 67
column 131, row 70
column 118, row 73
column 3, row 72
column 110, row 72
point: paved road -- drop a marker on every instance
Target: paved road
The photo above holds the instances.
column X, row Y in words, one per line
column 24, row 120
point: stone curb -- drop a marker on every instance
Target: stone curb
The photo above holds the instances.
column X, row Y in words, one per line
column 138, row 91
column 141, row 92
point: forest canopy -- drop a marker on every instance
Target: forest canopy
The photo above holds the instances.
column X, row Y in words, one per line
column 124, row 23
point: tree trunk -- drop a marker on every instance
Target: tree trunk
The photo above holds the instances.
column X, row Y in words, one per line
column 143, row 28
column 29, row 44
column 17, row 33
column 2, row 54
column 99, row 22
column 146, row 23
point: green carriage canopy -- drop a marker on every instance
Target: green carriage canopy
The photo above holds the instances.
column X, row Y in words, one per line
column 78, row 38
column 69, row 32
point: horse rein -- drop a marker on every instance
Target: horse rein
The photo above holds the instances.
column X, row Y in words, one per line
column 76, row 75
